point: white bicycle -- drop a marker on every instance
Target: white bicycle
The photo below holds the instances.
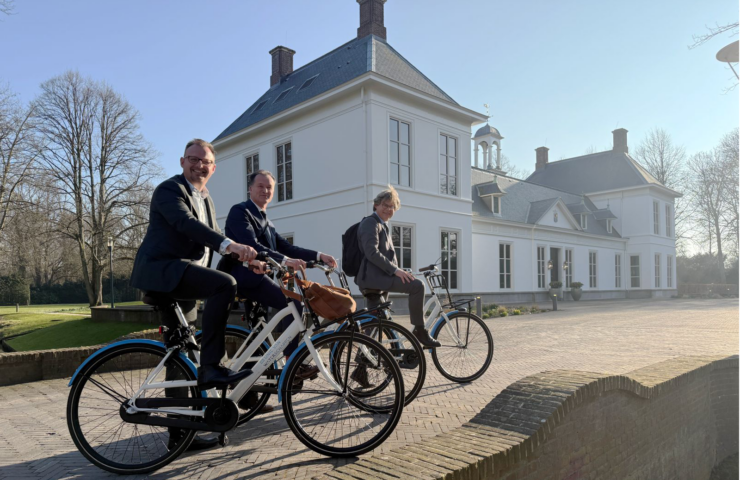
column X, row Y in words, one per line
column 128, row 397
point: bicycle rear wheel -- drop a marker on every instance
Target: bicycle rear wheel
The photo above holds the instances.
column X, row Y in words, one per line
column 470, row 358
column 343, row 424
column 96, row 399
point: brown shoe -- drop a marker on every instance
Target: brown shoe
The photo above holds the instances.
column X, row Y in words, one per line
column 266, row 409
column 306, row 372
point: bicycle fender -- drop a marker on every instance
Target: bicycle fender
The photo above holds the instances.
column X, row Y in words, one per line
column 439, row 323
column 363, row 319
column 142, row 341
column 237, row 327
column 290, row 360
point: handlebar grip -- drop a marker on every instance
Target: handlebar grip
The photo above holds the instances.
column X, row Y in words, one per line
column 426, row 269
column 311, row 264
column 262, row 256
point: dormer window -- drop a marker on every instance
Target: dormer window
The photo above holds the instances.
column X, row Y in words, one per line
column 496, row 206
column 584, row 221
column 609, row 225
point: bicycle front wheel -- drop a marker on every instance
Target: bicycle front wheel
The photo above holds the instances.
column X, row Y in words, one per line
column 97, row 397
column 467, row 347
column 343, row 423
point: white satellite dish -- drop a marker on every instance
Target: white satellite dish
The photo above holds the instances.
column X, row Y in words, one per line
column 729, row 54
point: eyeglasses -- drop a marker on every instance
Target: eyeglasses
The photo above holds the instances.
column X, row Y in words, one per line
column 392, row 208
column 195, row 160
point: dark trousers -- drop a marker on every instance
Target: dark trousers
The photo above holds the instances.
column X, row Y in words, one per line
column 219, row 291
column 266, row 291
column 415, row 290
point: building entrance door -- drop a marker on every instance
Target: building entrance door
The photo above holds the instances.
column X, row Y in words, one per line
column 555, row 259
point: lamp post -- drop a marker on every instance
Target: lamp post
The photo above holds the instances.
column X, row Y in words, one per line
column 110, row 259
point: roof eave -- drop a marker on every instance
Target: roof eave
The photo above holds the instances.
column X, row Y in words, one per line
column 636, row 187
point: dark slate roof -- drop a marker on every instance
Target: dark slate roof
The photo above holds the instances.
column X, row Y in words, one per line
column 351, row 60
column 527, row 202
column 485, row 130
column 598, row 172
column 490, row 188
column 578, row 208
column 603, row 214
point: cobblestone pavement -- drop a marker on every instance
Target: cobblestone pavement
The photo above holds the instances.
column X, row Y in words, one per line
column 606, row 336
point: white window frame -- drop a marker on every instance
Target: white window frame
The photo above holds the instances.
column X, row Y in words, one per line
column 503, row 272
column 496, row 204
column 657, row 270
column 541, row 267
column 656, row 217
column 289, row 237
column 400, row 248
column 569, row 271
column 397, row 145
column 584, row 221
column 284, row 167
column 457, row 250
column 446, row 156
column 617, row 270
column 608, row 225
column 669, row 271
column 668, row 223
column 592, row 272
column 249, row 166
column 632, row 275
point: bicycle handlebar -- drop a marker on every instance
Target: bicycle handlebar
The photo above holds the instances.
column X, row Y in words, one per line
column 427, row 269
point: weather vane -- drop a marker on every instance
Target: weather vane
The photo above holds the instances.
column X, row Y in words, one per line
column 487, row 113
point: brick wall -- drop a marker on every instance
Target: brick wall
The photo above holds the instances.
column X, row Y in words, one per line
column 672, row 420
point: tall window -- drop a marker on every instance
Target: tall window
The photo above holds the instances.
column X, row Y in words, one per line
column 592, row 269
column 540, row 267
column 617, row 271
column 497, row 205
column 569, row 270
column 449, row 257
column 285, row 172
column 253, row 164
column 657, row 270
column 504, row 265
column 609, row 225
column 656, row 218
column 668, row 221
column 584, row 221
column 288, row 238
column 400, row 149
column 448, row 165
column 401, row 236
column 635, row 271
column 669, row 271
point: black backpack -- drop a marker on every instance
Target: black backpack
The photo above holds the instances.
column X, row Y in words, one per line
column 351, row 254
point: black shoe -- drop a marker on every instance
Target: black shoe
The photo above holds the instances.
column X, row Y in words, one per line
column 216, row 376
column 198, row 443
column 360, row 376
column 423, row 336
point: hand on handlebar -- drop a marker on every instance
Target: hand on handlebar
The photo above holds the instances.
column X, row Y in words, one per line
column 244, row 253
column 294, row 263
column 329, row 260
column 258, row 267
column 405, row 277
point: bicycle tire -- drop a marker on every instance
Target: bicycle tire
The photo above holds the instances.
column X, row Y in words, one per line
column 121, row 370
column 309, row 415
column 413, row 365
column 450, row 359
column 238, row 336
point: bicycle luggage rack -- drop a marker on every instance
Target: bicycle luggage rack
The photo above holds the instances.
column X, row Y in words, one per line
column 439, row 281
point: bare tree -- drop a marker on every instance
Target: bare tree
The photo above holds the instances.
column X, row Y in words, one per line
column 98, row 163
column 18, row 151
column 710, row 186
column 512, row 170
column 730, row 147
column 713, row 32
column 6, row 7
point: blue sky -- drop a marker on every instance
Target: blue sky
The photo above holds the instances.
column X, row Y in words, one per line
column 560, row 74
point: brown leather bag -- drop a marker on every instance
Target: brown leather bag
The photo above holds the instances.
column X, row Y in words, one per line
column 328, row 302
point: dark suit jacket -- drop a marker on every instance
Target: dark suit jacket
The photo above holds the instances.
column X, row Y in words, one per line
column 379, row 264
column 245, row 224
column 175, row 237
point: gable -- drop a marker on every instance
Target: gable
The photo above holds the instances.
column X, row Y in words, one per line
column 564, row 218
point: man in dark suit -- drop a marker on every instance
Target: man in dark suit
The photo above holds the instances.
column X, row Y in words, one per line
column 176, row 253
column 379, row 268
column 247, row 223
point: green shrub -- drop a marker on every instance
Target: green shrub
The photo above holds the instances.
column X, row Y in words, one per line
column 556, row 284
column 14, row 289
column 576, row 284
column 534, row 309
column 502, row 311
column 516, row 312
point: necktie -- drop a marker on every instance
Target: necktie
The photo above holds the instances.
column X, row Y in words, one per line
column 268, row 232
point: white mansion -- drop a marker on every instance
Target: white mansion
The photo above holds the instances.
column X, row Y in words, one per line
column 338, row 130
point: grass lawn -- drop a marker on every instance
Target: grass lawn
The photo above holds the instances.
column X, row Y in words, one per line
column 63, row 321
column 78, row 332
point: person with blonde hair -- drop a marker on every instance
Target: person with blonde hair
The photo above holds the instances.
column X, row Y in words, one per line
column 379, row 268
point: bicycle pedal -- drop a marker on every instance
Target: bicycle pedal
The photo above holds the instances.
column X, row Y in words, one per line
column 223, row 440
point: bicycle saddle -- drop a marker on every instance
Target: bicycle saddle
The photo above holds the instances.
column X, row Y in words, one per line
column 371, row 291
column 157, row 299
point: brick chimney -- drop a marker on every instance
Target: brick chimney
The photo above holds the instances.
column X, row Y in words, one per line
column 371, row 18
column 282, row 63
column 620, row 140
column 541, row 157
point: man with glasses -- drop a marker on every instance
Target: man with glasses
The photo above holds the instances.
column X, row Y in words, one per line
column 176, row 253
column 379, row 268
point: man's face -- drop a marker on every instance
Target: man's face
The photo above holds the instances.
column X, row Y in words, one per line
column 385, row 210
column 261, row 190
column 198, row 165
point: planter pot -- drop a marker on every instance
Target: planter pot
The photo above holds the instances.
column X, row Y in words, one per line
column 556, row 291
column 576, row 293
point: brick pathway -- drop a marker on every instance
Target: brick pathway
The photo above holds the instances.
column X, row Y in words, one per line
column 608, row 337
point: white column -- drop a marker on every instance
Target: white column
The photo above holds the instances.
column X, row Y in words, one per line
column 498, row 156
column 475, row 149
